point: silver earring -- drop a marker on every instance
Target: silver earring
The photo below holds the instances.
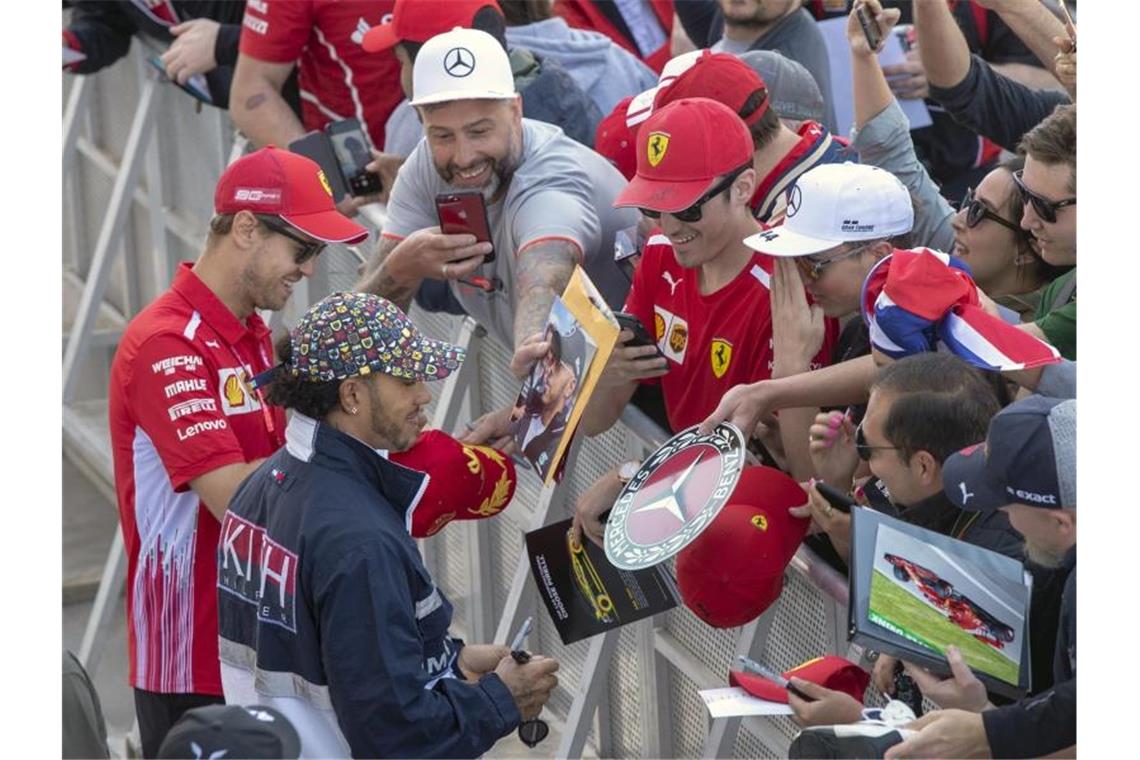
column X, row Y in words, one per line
column 353, row 410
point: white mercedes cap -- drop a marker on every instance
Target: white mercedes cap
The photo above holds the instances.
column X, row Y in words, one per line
column 838, row 203
column 463, row 64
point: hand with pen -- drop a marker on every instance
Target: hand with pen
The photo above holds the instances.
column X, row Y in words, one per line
column 530, row 679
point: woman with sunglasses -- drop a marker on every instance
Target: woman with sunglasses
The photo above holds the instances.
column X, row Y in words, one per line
column 985, row 232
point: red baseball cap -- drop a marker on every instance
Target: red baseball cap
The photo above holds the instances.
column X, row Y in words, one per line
column 616, row 141
column 420, row 20
column 735, row 569
column 466, row 482
column 721, row 77
column 830, row 672
column 681, row 151
column 288, row 185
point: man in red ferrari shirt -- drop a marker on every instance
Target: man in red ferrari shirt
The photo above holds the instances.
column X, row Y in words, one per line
column 701, row 293
column 186, row 427
column 338, row 78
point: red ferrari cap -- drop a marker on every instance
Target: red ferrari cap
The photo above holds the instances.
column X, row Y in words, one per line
column 466, row 482
column 830, row 672
column 735, row 569
column 721, row 77
column 288, row 185
column 420, row 20
column 616, row 141
column 681, row 151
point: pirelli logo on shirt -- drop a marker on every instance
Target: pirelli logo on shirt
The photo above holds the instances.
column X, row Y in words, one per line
column 258, row 570
column 672, row 333
column 192, row 406
column 236, row 395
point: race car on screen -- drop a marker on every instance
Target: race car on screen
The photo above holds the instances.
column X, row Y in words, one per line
column 960, row 609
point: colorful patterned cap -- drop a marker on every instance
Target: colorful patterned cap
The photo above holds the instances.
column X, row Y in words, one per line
column 350, row 334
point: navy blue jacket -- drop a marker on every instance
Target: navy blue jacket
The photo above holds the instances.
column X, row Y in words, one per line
column 1047, row 722
column 322, row 595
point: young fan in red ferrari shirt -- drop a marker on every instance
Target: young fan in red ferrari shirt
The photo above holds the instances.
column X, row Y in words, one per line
column 186, row 427
column 703, row 295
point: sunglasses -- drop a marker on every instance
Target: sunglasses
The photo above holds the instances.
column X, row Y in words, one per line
column 976, row 211
column 693, row 213
column 813, row 269
column 309, row 249
column 1045, row 208
column 865, row 451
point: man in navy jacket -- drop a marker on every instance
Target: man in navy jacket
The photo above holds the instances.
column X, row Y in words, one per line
column 326, row 611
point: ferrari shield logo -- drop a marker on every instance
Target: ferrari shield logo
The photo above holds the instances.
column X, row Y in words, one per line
column 720, row 354
column 324, row 181
column 675, row 495
column 656, row 146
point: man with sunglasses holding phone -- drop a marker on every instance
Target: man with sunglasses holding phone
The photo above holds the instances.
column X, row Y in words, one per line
column 187, row 428
column 1048, row 184
column 699, row 291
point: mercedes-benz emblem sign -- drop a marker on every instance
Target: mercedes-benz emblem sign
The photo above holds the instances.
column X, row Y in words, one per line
column 459, row 62
column 675, row 495
column 794, row 199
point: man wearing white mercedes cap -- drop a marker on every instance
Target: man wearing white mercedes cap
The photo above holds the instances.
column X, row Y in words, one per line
column 549, row 201
column 841, row 220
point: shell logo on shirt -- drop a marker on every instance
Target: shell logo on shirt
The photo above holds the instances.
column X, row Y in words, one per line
column 237, row 398
column 720, row 354
column 672, row 333
column 656, row 146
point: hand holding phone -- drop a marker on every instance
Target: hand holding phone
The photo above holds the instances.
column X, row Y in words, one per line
column 353, row 154
column 870, row 28
column 465, row 213
column 641, row 336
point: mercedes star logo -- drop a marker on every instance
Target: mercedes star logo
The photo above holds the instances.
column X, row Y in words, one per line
column 794, row 199
column 459, row 62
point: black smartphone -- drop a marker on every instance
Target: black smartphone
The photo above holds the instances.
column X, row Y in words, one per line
column 465, row 212
column 195, row 85
column 350, row 146
column 870, row 28
column 641, row 336
column 835, row 497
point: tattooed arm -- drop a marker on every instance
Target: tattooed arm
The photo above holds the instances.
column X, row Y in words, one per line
column 399, row 266
column 544, row 268
column 378, row 278
column 256, row 105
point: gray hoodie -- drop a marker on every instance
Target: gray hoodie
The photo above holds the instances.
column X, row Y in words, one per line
column 605, row 71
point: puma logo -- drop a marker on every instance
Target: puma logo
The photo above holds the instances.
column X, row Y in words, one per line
column 212, row 344
column 965, row 494
column 668, row 277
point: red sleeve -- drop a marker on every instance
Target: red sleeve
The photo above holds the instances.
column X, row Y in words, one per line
column 276, row 30
column 175, row 400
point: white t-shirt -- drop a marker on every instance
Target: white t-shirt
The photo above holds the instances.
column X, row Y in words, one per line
column 561, row 190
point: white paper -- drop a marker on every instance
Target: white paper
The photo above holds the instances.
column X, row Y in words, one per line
column 834, row 32
column 733, row 701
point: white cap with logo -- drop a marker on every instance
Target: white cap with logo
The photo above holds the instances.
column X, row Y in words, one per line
column 463, row 64
column 838, row 203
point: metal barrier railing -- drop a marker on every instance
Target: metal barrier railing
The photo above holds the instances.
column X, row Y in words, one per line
column 629, row 693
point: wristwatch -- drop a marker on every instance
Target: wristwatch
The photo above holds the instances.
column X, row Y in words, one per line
column 627, row 470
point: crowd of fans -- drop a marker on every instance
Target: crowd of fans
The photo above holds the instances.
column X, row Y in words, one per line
column 868, row 306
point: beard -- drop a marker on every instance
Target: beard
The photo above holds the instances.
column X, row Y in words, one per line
column 1042, row 555
column 502, row 169
column 398, row 436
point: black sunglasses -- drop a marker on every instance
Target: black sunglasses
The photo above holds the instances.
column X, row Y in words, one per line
column 693, row 213
column 976, row 211
column 309, row 249
column 532, row 731
column 1045, row 208
column 865, row 451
